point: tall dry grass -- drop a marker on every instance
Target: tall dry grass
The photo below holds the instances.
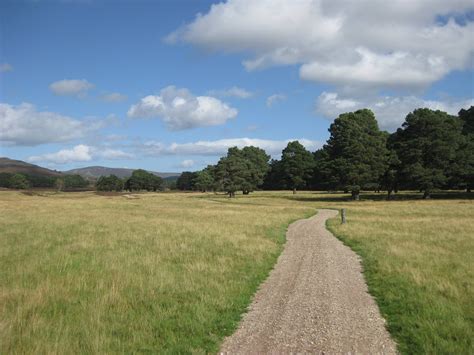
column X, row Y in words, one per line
column 173, row 272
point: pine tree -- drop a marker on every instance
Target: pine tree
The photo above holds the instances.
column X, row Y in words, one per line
column 356, row 151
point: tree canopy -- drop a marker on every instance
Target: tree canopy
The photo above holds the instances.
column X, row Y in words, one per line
column 297, row 165
column 356, row 151
column 427, row 146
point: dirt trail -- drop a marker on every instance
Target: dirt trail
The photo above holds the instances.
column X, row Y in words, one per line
column 315, row 300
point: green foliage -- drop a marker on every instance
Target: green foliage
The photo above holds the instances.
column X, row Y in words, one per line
column 232, row 171
column 427, row 145
column 185, row 181
column 18, row 181
column 275, row 178
column 462, row 174
column 297, row 165
column 356, row 151
column 257, row 167
column 242, row 169
column 41, row 180
column 204, row 181
column 143, row 180
column 5, row 179
column 109, row 183
column 75, row 181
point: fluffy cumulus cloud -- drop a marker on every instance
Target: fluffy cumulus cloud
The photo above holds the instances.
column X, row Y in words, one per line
column 390, row 111
column 5, row 67
column 371, row 43
column 273, row 99
column 24, row 125
column 79, row 153
column 72, row 87
column 220, row 147
column 187, row 163
column 234, row 91
column 179, row 109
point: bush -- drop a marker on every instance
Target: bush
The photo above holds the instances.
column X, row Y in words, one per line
column 19, row 181
column 109, row 183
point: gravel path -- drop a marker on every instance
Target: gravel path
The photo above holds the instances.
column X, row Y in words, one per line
column 315, row 300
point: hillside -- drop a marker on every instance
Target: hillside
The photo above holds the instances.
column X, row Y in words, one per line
column 17, row 166
column 96, row 171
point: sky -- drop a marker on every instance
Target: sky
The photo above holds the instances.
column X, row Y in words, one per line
column 170, row 85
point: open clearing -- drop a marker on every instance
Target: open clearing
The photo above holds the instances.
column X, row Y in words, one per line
column 174, row 272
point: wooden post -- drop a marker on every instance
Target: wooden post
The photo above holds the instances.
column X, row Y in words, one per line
column 343, row 215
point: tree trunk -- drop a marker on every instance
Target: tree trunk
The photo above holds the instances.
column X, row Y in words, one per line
column 356, row 195
column 389, row 195
column 426, row 195
column 294, row 190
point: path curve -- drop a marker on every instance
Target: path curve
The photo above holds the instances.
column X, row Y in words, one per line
column 314, row 300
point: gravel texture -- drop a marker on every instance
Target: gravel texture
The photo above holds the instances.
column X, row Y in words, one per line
column 315, row 300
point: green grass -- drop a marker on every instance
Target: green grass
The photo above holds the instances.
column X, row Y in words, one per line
column 82, row 273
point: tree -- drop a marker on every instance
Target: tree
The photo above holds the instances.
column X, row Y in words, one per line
column 5, row 179
column 427, row 145
column 18, row 181
column 109, row 183
column 390, row 179
column 462, row 174
column 321, row 178
column 143, row 180
column 204, row 181
column 74, row 181
column 297, row 165
column 356, row 151
column 185, row 181
column 274, row 179
column 232, row 171
column 257, row 165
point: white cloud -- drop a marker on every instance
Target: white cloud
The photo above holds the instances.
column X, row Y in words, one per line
column 232, row 92
column 372, row 43
column 111, row 154
column 5, row 67
column 24, row 125
column 72, row 87
column 273, row 99
column 113, row 97
column 390, row 111
column 180, row 110
column 186, row 164
column 79, row 153
column 220, row 147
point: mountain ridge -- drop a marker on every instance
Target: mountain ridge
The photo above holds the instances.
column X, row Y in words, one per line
column 97, row 171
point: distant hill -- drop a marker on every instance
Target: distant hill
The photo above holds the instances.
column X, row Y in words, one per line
column 97, row 171
column 17, row 166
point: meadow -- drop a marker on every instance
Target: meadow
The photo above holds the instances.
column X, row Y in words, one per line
column 173, row 272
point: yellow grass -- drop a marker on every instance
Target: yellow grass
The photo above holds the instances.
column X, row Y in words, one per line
column 173, row 272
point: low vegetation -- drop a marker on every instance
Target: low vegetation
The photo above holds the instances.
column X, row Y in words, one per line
column 83, row 273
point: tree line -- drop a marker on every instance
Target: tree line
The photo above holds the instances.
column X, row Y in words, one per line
column 140, row 180
column 431, row 150
column 26, row 181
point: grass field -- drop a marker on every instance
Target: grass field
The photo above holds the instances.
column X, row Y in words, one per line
column 83, row 273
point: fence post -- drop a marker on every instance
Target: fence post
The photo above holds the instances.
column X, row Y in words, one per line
column 343, row 215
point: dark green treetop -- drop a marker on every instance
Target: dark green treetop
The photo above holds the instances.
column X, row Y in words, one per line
column 297, row 165
column 356, row 150
column 427, row 145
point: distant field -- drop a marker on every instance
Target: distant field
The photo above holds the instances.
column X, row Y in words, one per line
column 173, row 272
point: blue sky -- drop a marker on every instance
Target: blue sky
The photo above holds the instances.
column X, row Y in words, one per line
column 150, row 84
